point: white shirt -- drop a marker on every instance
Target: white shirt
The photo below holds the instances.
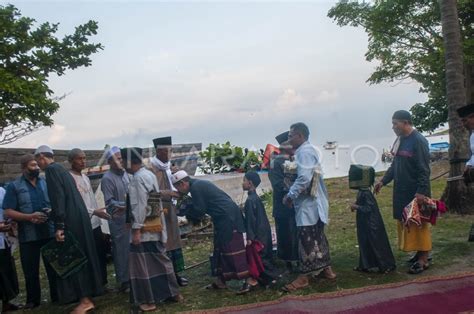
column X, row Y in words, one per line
column 308, row 210
column 471, row 161
column 142, row 183
column 84, row 186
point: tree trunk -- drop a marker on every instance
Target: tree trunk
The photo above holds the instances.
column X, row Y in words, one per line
column 456, row 191
column 469, row 83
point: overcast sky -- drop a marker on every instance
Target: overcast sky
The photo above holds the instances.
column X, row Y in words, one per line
column 215, row 71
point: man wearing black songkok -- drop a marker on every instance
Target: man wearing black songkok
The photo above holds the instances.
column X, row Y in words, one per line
column 161, row 167
column 285, row 223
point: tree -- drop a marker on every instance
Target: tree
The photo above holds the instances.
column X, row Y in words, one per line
column 405, row 38
column 455, row 193
column 28, row 56
column 219, row 158
column 409, row 41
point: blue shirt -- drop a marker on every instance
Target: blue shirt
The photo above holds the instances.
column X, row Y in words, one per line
column 308, row 209
column 2, row 235
column 22, row 196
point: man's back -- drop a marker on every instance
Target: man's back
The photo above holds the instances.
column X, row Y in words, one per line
column 225, row 213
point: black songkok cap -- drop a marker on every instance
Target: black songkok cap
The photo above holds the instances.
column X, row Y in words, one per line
column 283, row 137
column 402, row 115
column 162, row 142
column 361, row 177
column 465, row 111
column 133, row 154
column 253, row 177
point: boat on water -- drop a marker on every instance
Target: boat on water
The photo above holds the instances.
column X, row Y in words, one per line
column 330, row 145
column 438, row 143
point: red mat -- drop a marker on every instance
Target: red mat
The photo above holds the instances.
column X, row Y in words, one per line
column 448, row 294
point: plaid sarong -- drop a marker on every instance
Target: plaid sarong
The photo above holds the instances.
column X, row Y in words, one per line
column 152, row 277
column 177, row 258
column 231, row 258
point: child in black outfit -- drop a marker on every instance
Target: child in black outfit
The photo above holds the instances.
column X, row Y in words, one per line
column 374, row 247
column 257, row 229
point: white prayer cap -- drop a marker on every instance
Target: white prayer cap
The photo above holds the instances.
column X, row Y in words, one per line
column 44, row 149
column 112, row 151
column 178, row 176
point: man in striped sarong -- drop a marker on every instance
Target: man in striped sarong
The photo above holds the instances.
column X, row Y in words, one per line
column 152, row 277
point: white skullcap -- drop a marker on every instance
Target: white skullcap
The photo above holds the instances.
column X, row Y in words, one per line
column 44, row 149
column 178, row 176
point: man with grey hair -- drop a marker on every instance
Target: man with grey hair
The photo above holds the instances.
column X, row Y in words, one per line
column 311, row 211
column 70, row 213
column 77, row 160
column 114, row 186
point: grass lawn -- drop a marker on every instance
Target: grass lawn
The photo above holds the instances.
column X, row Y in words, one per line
column 451, row 253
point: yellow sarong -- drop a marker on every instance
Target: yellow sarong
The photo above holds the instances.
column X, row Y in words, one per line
column 414, row 238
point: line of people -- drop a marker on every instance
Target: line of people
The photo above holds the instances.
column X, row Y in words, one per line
column 147, row 254
column 142, row 217
column 63, row 203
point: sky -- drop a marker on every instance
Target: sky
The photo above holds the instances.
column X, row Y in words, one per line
column 215, row 71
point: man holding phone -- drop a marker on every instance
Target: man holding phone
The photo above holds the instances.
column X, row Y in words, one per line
column 26, row 201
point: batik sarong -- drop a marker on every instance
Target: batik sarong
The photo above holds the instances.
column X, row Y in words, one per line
column 313, row 248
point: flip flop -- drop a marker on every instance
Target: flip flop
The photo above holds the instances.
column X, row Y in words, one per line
column 292, row 287
column 416, row 269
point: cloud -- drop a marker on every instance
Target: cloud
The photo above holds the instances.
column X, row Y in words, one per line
column 326, row 96
column 290, row 99
column 57, row 134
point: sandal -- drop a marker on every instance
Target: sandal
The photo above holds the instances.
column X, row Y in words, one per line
column 327, row 273
column 293, row 287
column 416, row 268
column 146, row 309
column 363, row 270
column 246, row 287
column 81, row 309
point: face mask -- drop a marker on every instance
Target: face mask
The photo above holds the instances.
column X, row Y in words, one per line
column 33, row 173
